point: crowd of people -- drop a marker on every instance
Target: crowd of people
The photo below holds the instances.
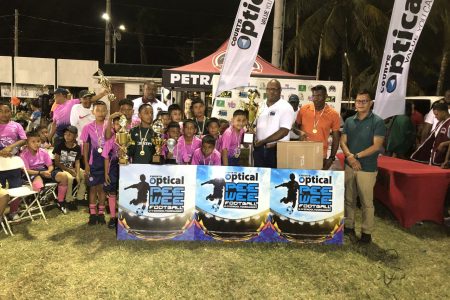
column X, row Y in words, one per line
column 79, row 147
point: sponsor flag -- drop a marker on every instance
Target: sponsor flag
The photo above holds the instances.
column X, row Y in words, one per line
column 407, row 21
column 243, row 44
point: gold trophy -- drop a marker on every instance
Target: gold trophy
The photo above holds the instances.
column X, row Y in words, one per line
column 158, row 141
column 252, row 108
column 123, row 139
column 104, row 82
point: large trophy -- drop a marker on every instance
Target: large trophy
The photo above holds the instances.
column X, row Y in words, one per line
column 104, row 82
column 252, row 108
column 158, row 141
column 123, row 139
column 171, row 144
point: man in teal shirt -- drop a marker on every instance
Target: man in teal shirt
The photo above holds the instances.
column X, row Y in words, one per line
column 361, row 141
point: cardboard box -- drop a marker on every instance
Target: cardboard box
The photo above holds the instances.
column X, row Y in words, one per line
column 300, row 155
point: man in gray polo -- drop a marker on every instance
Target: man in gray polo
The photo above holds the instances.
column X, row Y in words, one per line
column 361, row 141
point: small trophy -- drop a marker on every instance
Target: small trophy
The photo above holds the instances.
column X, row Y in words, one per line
column 158, row 141
column 123, row 139
column 252, row 108
column 171, row 143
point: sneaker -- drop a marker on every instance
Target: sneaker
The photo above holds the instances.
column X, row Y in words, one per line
column 365, row 239
column 92, row 220
column 13, row 216
column 62, row 207
column 72, row 206
column 101, row 219
column 112, row 223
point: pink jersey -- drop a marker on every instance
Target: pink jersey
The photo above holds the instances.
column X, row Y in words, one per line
column 94, row 135
column 39, row 161
column 184, row 151
column 61, row 115
column 111, row 149
column 231, row 140
column 10, row 133
column 199, row 158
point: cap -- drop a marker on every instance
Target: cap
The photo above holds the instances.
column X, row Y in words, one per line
column 71, row 129
column 293, row 98
column 61, row 91
column 85, row 93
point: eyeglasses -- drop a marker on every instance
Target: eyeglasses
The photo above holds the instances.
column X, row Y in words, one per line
column 362, row 101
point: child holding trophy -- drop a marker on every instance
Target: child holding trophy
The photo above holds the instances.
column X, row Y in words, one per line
column 93, row 138
column 187, row 143
column 231, row 139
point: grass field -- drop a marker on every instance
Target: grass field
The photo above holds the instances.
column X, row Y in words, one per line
column 66, row 259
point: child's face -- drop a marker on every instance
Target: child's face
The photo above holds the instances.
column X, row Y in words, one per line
column 127, row 111
column 43, row 134
column 198, row 109
column 69, row 137
column 5, row 114
column 189, row 129
column 213, row 128
column 146, row 115
column 34, row 143
column 175, row 115
column 173, row 133
column 223, row 127
column 239, row 122
column 207, row 149
column 100, row 112
column 116, row 126
column 165, row 119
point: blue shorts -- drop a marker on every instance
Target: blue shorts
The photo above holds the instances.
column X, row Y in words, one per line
column 97, row 175
column 113, row 176
column 233, row 161
column 14, row 178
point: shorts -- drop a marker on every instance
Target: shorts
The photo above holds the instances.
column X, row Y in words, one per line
column 113, row 176
column 233, row 161
column 97, row 175
column 44, row 179
column 14, row 178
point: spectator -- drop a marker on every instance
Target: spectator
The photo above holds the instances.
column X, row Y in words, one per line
column 430, row 119
column 150, row 91
column 81, row 114
column 401, row 134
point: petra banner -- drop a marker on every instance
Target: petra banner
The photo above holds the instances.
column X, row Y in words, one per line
column 213, row 203
column 243, row 45
column 407, row 22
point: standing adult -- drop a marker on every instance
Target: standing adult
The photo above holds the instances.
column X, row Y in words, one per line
column 361, row 140
column 61, row 113
column 294, row 101
column 316, row 120
column 81, row 114
column 431, row 121
column 150, row 91
column 273, row 125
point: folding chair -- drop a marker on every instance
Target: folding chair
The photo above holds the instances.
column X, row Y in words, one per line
column 33, row 207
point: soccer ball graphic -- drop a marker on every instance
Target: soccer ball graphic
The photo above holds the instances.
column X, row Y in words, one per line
column 215, row 207
column 290, row 210
column 140, row 211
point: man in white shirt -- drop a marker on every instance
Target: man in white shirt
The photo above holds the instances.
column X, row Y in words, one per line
column 149, row 96
column 81, row 114
column 273, row 125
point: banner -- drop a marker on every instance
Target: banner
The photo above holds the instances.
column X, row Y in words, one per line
column 214, row 203
column 407, row 21
column 244, row 42
column 227, row 102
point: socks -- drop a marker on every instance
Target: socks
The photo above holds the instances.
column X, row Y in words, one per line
column 92, row 209
column 62, row 190
column 101, row 209
column 112, row 205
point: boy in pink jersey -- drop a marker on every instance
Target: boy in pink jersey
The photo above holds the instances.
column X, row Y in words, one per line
column 40, row 168
column 93, row 139
column 111, row 164
column 231, row 139
column 213, row 127
column 207, row 154
column 187, row 143
column 126, row 109
column 12, row 137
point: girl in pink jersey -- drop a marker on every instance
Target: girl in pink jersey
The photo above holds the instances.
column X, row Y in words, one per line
column 40, row 168
column 187, row 143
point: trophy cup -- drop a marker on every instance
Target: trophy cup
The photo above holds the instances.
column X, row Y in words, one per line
column 158, row 141
column 171, row 144
column 123, row 139
column 252, row 108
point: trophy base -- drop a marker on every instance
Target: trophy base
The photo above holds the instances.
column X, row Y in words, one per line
column 123, row 161
column 157, row 159
column 249, row 138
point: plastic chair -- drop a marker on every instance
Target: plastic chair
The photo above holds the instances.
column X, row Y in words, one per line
column 33, row 208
